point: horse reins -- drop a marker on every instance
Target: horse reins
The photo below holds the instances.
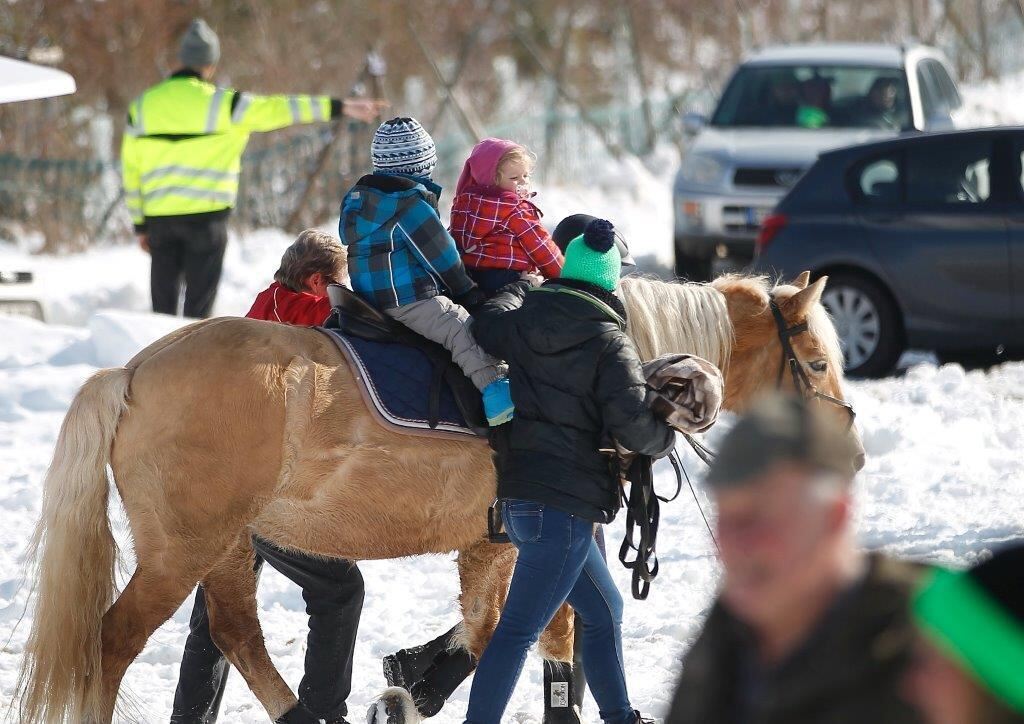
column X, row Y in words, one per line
column 804, row 387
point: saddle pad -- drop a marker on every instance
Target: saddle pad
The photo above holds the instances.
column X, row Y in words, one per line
column 395, row 381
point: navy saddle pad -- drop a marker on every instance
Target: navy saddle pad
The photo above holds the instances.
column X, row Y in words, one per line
column 398, row 380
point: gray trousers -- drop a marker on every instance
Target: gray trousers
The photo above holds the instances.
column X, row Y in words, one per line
column 441, row 320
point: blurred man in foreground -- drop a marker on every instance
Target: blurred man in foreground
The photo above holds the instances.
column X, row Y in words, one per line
column 969, row 664
column 806, row 628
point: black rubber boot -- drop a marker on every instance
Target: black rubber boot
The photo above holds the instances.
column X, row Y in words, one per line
column 439, row 681
column 561, row 705
column 299, row 714
column 404, row 668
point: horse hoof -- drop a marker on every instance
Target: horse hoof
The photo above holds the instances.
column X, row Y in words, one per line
column 395, row 706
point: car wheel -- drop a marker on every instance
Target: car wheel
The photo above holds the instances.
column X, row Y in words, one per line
column 692, row 268
column 867, row 322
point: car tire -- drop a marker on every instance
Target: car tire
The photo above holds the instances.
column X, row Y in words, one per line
column 692, row 268
column 868, row 324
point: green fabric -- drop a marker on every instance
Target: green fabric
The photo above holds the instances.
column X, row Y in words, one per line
column 811, row 117
column 587, row 298
column 587, row 265
column 183, row 145
column 962, row 619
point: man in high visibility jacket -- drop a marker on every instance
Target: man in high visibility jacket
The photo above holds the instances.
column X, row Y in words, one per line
column 181, row 157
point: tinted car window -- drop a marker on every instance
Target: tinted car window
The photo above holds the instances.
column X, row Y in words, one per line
column 948, row 173
column 929, row 99
column 878, row 181
column 947, row 85
column 815, row 96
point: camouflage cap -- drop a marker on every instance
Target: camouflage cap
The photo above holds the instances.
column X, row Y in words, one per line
column 780, row 428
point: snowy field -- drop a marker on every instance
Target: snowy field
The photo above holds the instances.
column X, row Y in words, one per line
column 943, row 480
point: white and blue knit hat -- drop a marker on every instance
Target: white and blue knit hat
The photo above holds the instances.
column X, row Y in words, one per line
column 402, row 145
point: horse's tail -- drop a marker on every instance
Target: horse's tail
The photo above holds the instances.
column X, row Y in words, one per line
column 74, row 555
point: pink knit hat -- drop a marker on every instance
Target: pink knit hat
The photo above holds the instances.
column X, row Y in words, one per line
column 482, row 165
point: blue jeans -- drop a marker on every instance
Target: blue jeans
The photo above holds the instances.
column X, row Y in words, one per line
column 558, row 561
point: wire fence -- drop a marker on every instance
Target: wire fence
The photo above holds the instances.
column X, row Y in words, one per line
column 76, row 203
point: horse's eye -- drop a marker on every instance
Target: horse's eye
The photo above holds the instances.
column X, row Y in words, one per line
column 818, row 365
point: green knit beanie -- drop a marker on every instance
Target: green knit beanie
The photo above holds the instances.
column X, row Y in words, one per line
column 593, row 256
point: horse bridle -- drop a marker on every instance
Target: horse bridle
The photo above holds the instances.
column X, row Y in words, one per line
column 802, row 383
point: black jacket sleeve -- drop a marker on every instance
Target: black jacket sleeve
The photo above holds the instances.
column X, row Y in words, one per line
column 621, row 392
column 491, row 321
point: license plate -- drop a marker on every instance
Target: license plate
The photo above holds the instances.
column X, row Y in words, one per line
column 21, row 308
column 757, row 214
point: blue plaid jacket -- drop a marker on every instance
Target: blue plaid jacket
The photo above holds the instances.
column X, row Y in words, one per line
column 398, row 250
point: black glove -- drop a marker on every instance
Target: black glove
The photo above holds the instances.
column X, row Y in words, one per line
column 472, row 299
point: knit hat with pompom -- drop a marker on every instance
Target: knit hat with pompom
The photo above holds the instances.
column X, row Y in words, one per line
column 593, row 256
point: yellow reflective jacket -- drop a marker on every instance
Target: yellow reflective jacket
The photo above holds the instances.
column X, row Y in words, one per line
column 183, row 144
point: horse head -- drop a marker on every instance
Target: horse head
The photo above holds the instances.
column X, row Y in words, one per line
column 785, row 340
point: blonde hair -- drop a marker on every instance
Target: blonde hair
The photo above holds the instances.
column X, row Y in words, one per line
column 312, row 252
column 517, row 153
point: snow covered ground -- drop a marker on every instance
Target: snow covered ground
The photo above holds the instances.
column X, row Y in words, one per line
column 943, row 480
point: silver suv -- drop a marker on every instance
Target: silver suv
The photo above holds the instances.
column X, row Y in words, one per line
column 781, row 108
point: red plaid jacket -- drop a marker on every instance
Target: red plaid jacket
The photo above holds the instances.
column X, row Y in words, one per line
column 499, row 230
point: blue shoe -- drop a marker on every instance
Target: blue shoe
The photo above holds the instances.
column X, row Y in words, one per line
column 498, row 405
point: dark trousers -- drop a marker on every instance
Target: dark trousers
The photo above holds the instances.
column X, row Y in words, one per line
column 189, row 251
column 333, row 592
column 491, row 280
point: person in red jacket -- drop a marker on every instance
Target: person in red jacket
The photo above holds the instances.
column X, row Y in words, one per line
column 299, row 292
column 495, row 224
column 331, row 587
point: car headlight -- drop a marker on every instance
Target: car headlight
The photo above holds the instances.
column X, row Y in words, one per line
column 702, row 171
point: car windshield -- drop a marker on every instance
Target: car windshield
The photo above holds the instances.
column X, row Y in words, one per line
column 815, row 96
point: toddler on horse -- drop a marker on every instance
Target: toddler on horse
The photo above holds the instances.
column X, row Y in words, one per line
column 403, row 261
column 495, row 222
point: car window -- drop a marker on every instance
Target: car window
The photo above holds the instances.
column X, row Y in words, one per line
column 929, row 94
column 878, row 181
column 950, row 95
column 950, row 172
column 815, row 96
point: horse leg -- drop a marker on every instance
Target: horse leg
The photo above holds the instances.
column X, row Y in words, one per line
column 230, row 591
column 152, row 595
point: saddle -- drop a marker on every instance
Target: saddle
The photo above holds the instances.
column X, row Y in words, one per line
column 391, row 359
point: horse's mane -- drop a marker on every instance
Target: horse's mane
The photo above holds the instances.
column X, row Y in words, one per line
column 673, row 317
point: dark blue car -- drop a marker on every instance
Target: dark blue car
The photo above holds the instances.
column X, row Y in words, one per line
column 922, row 238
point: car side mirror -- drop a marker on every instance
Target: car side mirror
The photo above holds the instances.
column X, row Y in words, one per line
column 693, row 122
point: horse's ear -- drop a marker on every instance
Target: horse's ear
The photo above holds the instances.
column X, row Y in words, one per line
column 800, row 304
column 802, row 281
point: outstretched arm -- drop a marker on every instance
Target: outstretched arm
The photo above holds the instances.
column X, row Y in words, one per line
column 492, row 322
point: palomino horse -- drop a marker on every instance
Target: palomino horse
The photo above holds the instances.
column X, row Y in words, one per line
column 234, row 427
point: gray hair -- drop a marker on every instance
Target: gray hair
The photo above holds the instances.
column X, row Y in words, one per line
column 312, row 252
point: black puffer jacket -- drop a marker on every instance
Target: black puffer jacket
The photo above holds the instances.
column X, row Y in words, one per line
column 576, row 382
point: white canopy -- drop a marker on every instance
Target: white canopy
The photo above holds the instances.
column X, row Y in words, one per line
column 21, row 81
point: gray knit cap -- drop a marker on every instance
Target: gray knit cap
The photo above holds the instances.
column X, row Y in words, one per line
column 403, row 146
column 200, row 46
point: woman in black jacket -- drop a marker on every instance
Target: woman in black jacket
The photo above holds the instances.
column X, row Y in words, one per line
column 576, row 385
